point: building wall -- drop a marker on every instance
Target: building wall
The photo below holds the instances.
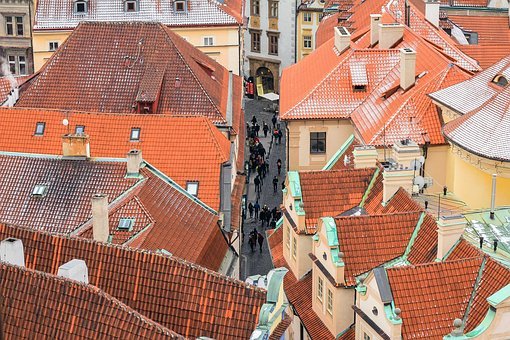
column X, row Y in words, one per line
column 226, row 48
column 299, row 156
column 436, row 166
column 307, row 28
column 15, row 45
column 301, row 263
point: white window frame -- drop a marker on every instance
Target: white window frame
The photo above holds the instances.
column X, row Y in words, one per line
column 329, row 302
column 184, row 6
column 306, row 16
column 208, row 41
column 192, row 188
column 320, row 288
column 307, row 39
column 39, row 128
column 53, row 45
column 85, row 6
column 136, row 8
column 135, row 134
column 294, row 247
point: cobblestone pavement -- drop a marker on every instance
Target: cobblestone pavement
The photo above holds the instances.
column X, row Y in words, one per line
column 260, row 262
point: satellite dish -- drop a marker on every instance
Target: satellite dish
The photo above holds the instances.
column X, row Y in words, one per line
column 419, row 181
column 65, row 122
column 416, row 164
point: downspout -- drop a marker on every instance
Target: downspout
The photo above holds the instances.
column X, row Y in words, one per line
column 31, row 37
column 295, row 31
column 287, row 141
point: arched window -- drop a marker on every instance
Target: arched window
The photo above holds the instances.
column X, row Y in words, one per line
column 81, row 6
column 500, row 80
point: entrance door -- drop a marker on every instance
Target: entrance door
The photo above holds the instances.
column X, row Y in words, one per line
column 266, row 79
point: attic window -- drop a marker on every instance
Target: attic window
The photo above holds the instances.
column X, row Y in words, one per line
column 79, row 129
column 80, row 7
column 180, row 6
column 39, row 128
column 500, row 80
column 130, row 6
column 126, row 224
column 135, row 134
column 192, row 188
column 39, row 190
column 359, row 88
column 359, row 75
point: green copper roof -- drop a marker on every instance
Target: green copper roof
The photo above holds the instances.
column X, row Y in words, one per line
column 481, row 225
column 332, row 161
column 276, row 281
column 294, row 184
column 500, row 296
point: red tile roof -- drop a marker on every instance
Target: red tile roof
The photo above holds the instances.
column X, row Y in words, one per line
column 181, row 296
column 369, row 241
column 164, row 141
column 6, row 85
column 349, row 335
column 121, row 67
column 330, row 193
column 326, row 29
column 424, row 248
column 41, row 305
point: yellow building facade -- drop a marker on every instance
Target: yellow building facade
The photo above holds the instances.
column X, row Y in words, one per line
column 307, row 21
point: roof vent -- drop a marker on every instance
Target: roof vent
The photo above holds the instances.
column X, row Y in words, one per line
column 75, row 270
column 11, row 251
column 39, row 190
column 342, row 39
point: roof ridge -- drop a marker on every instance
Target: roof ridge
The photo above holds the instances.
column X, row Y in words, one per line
column 429, row 264
column 374, row 216
column 473, row 292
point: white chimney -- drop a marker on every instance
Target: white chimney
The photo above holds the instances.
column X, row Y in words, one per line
column 100, row 227
column 12, row 98
column 432, row 12
column 407, row 68
column 134, row 161
column 449, row 231
column 342, row 39
column 405, row 151
column 395, row 178
column 365, row 157
column 375, row 19
column 75, row 270
column 390, row 34
column 11, row 251
column 76, row 145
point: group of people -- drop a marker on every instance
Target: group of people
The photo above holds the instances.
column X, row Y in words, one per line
column 266, row 216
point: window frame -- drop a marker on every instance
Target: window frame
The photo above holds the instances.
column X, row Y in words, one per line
column 272, row 46
column 138, row 132
column 131, row 223
column 127, row 4
column 9, row 25
column 20, row 24
column 320, row 289
column 294, row 247
column 255, row 8
column 20, row 64
column 307, row 15
column 178, row 3
column 188, row 183
column 53, row 45
column 85, row 7
column 287, row 237
column 37, row 126
column 12, row 63
column 77, row 127
column 254, row 42
column 317, row 139
column 273, row 8
column 307, row 38
column 329, row 301
column 208, row 38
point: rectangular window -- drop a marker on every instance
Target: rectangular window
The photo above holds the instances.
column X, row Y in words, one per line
column 19, row 26
column 255, row 7
column 135, row 134
column 307, row 17
column 192, row 188
column 12, row 63
column 320, row 288
column 131, row 6
column 317, row 142
column 180, row 6
column 79, row 129
column 255, row 41
column 22, row 65
column 273, row 44
column 126, row 224
column 39, row 128
column 53, row 45
column 294, row 247
column 287, row 237
column 9, row 25
column 273, row 9
column 329, row 302
column 208, row 41
column 307, row 41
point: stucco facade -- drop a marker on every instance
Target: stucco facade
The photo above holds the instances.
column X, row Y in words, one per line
column 308, row 18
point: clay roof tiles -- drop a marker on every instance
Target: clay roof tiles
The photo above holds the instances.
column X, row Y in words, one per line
column 181, row 296
column 164, row 141
column 83, row 310
column 6, row 85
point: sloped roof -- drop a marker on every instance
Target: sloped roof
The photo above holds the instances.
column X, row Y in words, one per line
column 465, row 3
column 181, row 296
column 166, row 217
column 164, row 141
column 124, row 63
column 6, row 85
column 83, row 310
column 60, row 14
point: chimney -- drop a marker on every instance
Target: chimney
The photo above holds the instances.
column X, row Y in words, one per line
column 375, row 19
column 100, row 227
column 342, row 39
column 134, row 161
column 493, row 196
column 432, row 12
column 365, row 157
column 11, row 251
column 76, row 145
column 390, row 34
column 75, row 270
column 407, row 68
column 449, row 231
column 405, row 151
column 12, row 98
column 394, row 178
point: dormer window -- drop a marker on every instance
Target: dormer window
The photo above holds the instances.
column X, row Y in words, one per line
column 180, row 6
column 39, row 190
column 131, row 6
column 192, row 188
column 500, row 80
column 126, row 224
column 80, row 7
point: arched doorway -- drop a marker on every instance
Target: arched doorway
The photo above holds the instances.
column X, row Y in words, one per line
column 265, row 79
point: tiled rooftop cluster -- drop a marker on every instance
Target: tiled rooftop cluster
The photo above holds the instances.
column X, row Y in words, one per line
column 181, row 296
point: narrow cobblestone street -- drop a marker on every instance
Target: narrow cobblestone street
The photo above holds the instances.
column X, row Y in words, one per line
column 260, row 262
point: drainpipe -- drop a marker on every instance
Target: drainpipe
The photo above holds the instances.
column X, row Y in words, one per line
column 287, row 138
column 493, row 196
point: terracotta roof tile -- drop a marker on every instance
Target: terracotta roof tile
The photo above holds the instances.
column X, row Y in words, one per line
column 181, row 296
column 41, row 305
column 6, row 86
column 349, row 335
column 279, row 331
column 424, row 248
column 164, row 141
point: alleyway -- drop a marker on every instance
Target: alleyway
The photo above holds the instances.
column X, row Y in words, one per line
column 256, row 262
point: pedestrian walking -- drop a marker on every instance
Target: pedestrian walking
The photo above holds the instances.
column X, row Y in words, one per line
column 256, row 181
column 273, row 120
column 265, row 128
column 254, row 120
column 275, row 136
column 279, row 165
column 273, row 213
column 250, row 209
column 257, row 129
column 256, row 209
column 260, row 238
column 280, row 135
column 268, row 217
column 275, row 184
column 263, row 217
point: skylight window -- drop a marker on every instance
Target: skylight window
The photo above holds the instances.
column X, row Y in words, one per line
column 135, row 134
column 39, row 128
column 39, row 190
column 80, row 7
column 79, row 129
column 192, row 188
column 126, row 224
column 500, row 80
column 131, row 6
column 180, row 6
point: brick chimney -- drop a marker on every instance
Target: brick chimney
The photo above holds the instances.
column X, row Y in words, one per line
column 449, row 231
column 76, row 145
column 100, row 226
column 134, row 161
column 390, row 34
column 375, row 19
column 405, row 151
column 342, row 39
column 432, row 12
column 75, row 270
column 407, row 68
column 11, row 251
column 365, row 157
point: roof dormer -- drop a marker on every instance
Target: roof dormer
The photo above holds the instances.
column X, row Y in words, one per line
column 181, row 6
column 81, row 6
column 500, row 80
column 131, row 6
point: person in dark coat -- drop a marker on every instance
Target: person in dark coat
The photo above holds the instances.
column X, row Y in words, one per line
column 275, row 184
column 256, row 209
column 260, row 238
column 254, row 120
column 265, row 128
column 250, row 209
column 279, row 166
column 273, row 120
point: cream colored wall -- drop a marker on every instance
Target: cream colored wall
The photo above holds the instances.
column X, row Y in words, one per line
column 301, row 263
column 498, row 329
column 225, row 49
column 436, row 166
column 300, row 158
column 306, row 28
